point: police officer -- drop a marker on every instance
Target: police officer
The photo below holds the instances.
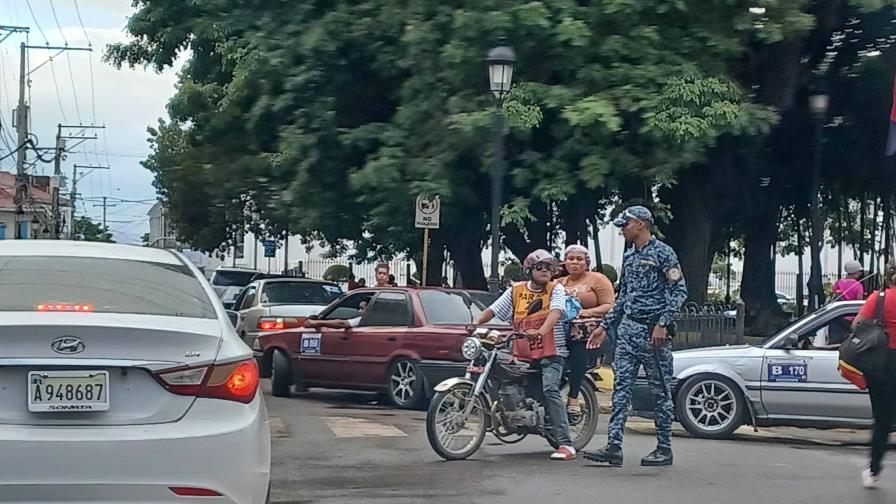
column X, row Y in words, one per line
column 651, row 292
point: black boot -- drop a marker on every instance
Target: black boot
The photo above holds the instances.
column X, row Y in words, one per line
column 610, row 454
column 658, row 457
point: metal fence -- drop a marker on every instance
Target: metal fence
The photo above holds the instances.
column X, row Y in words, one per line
column 708, row 325
column 785, row 282
column 403, row 269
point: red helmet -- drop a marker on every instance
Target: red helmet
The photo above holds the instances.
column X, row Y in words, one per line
column 539, row 256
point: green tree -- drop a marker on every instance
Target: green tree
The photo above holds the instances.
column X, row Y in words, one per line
column 87, row 230
column 610, row 96
column 330, row 120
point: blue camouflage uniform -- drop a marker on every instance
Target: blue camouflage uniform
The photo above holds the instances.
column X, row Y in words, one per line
column 651, row 291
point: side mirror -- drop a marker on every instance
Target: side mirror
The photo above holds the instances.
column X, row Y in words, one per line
column 234, row 318
column 791, row 341
column 314, row 317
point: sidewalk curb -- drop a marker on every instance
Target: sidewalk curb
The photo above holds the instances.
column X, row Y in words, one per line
column 746, row 433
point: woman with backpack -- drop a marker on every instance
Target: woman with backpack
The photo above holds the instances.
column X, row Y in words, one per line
column 882, row 386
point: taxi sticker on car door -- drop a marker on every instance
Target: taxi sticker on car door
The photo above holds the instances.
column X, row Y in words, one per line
column 788, row 371
column 310, row 344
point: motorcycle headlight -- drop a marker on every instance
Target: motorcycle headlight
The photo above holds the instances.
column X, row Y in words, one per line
column 471, row 348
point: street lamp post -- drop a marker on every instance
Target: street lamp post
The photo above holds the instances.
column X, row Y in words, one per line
column 500, row 71
column 818, row 106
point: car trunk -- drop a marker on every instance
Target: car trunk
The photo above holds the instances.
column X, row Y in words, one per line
column 293, row 310
column 124, row 348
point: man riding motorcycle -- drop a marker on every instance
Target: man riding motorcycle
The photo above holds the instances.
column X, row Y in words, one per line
column 545, row 341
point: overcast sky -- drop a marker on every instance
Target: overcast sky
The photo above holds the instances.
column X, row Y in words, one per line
column 125, row 101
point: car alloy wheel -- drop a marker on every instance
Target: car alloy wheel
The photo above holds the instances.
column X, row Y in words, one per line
column 711, row 407
column 405, row 383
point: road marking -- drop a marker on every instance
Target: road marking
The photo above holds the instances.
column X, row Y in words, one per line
column 346, row 427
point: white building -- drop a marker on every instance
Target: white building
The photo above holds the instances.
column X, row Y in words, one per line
column 163, row 235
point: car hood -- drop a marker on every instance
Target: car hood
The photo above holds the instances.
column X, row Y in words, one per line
column 294, row 310
column 739, row 351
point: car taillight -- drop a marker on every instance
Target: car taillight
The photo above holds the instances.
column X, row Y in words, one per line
column 279, row 323
column 237, row 381
column 64, row 307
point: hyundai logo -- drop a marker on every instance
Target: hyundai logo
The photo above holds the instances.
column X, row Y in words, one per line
column 67, row 345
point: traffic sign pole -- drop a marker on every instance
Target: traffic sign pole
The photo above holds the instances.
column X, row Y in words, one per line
column 425, row 255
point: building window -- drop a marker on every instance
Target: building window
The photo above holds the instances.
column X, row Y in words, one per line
column 23, row 229
column 2, row 231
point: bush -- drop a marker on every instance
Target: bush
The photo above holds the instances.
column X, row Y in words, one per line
column 610, row 272
column 514, row 272
column 337, row 273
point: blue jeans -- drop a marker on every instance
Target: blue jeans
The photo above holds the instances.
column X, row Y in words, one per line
column 552, row 369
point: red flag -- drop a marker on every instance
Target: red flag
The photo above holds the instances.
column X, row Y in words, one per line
column 891, row 136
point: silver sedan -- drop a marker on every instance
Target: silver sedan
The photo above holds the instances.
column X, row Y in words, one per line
column 123, row 381
column 790, row 380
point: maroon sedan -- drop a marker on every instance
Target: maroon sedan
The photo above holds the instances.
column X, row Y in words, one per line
column 401, row 341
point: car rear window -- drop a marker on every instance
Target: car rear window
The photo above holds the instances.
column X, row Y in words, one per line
column 300, row 293
column 107, row 285
column 233, row 278
column 442, row 307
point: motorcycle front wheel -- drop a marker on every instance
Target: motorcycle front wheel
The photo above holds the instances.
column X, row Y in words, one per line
column 453, row 435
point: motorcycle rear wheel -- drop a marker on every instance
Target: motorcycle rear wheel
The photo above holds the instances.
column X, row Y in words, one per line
column 583, row 431
column 445, row 424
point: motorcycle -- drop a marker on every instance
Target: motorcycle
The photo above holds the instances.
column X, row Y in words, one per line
column 501, row 395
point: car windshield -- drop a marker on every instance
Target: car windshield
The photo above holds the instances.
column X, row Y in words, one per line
column 105, row 285
column 233, row 278
column 442, row 307
column 484, row 299
column 312, row 293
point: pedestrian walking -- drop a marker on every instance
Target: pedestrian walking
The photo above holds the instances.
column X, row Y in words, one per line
column 881, row 387
column 651, row 291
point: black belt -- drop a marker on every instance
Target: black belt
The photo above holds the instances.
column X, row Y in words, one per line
column 643, row 320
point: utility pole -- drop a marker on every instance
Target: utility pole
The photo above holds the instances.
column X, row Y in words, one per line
column 22, row 119
column 22, row 131
column 57, row 167
column 74, row 193
column 57, row 173
column 21, row 186
column 104, row 205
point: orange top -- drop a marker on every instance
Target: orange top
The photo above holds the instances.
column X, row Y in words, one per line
column 594, row 291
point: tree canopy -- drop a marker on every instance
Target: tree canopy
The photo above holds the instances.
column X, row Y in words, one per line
column 328, row 118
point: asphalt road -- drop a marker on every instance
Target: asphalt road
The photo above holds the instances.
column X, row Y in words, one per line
column 343, row 447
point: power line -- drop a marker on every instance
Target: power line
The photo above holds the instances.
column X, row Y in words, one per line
column 41, row 30
column 53, row 8
column 92, row 90
column 82, row 23
column 56, row 86
column 71, row 74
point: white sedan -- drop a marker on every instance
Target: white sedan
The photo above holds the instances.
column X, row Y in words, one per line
column 122, row 379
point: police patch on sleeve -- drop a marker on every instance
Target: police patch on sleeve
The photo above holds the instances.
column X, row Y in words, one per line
column 674, row 274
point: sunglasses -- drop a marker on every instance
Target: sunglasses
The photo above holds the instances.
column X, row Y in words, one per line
column 543, row 267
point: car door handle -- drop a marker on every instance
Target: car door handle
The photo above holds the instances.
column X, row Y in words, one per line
column 391, row 338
